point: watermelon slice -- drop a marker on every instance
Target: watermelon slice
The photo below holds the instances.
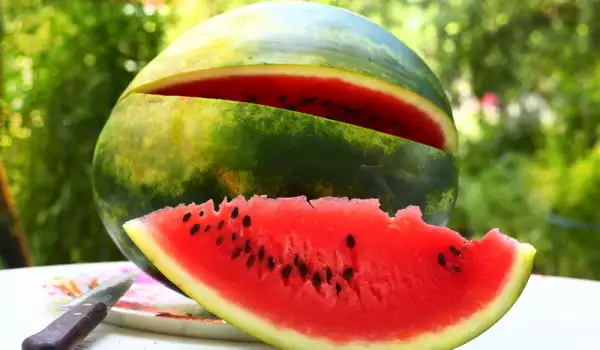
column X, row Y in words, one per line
column 335, row 273
column 333, row 95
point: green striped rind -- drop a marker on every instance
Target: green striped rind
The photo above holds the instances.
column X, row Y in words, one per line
column 449, row 338
column 302, row 34
column 158, row 151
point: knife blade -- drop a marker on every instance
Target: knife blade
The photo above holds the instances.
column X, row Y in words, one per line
column 82, row 315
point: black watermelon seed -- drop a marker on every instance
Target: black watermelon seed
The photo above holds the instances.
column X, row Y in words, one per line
column 353, row 111
column 186, row 216
column 219, row 240
column 247, row 246
column 456, row 268
column 348, row 273
column 285, row 272
column 282, row 98
column 206, row 228
column 441, row 259
column 303, row 269
column 251, row 99
column 235, row 212
column 392, row 125
column 316, row 280
column 250, row 261
column 195, row 229
column 296, row 260
column 220, row 224
column 271, row 263
column 326, row 103
column 372, row 118
column 246, row 221
column 350, row 241
column 291, row 107
column 454, row 250
column 308, row 101
column 338, row 289
column 234, row 236
column 328, row 274
column 201, row 213
column 236, row 252
column 261, row 253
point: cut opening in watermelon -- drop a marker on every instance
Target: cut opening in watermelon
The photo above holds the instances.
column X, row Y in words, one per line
column 335, row 273
column 324, row 92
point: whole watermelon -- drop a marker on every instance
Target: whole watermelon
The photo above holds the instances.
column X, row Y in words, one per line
column 282, row 99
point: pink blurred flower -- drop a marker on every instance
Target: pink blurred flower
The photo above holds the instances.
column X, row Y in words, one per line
column 490, row 99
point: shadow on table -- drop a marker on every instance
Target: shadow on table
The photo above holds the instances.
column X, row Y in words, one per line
column 119, row 338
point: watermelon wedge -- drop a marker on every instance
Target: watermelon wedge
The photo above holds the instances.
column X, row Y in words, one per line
column 335, row 273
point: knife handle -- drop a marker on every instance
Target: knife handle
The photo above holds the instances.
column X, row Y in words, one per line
column 69, row 329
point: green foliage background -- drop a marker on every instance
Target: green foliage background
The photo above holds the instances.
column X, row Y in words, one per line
column 66, row 63
column 530, row 166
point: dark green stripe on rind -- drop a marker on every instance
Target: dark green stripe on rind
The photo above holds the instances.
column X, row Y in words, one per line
column 158, row 151
column 296, row 33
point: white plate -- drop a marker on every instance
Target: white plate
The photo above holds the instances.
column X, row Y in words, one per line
column 148, row 306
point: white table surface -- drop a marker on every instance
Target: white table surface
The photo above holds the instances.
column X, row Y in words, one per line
column 552, row 313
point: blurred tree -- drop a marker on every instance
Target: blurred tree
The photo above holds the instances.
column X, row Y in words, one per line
column 534, row 170
column 70, row 61
column 14, row 250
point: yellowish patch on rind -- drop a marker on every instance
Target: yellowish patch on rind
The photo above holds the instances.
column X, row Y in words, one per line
column 261, row 328
column 440, row 201
column 178, row 134
column 235, row 182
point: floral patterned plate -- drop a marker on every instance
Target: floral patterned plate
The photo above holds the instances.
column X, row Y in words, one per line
column 148, row 306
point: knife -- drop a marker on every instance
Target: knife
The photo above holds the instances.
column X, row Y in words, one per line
column 82, row 315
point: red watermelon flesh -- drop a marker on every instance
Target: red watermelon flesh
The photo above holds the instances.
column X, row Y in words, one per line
column 335, row 269
column 330, row 98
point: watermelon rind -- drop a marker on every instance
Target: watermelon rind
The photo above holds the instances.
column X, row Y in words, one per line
column 306, row 39
column 448, row 338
